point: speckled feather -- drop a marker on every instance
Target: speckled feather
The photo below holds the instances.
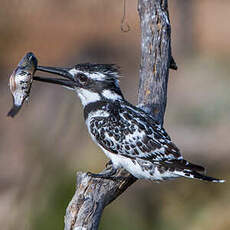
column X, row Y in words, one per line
column 132, row 133
column 129, row 132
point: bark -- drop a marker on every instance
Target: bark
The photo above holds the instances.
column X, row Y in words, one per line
column 93, row 195
column 155, row 57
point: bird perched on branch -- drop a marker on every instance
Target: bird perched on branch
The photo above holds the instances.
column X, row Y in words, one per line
column 128, row 136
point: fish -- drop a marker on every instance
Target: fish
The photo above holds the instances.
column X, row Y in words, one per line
column 20, row 82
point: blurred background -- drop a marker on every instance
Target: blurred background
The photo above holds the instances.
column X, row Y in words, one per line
column 43, row 147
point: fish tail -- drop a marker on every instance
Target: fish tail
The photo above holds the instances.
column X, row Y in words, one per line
column 14, row 110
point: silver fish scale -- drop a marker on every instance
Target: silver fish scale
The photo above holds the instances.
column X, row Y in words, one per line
column 23, row 82
column 130, row 132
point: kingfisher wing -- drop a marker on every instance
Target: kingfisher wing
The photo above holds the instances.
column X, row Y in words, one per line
column 134, row 135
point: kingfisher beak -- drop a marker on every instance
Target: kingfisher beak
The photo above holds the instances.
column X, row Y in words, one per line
column 68, row 81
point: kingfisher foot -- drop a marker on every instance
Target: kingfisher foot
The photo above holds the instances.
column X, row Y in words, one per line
column 109, row 163
column 106, row 175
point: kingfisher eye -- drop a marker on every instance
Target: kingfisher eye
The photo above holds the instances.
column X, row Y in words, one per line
column 82, row 78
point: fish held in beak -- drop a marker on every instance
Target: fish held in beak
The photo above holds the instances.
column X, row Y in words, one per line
column 21, row 81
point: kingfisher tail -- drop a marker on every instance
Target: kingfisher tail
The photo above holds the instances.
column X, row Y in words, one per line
column 186, row 169
column 196, row 175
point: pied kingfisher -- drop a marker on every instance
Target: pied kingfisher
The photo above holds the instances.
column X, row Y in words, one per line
column 128, row 136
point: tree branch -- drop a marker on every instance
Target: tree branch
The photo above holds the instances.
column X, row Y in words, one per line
column 93, row 194
column 156, row 57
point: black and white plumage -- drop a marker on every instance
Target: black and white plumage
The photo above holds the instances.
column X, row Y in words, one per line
column 129, row 137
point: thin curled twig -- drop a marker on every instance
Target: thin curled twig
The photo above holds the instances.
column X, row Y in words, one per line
column 125, row 27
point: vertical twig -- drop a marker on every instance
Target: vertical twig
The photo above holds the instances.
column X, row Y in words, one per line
column 92, row 195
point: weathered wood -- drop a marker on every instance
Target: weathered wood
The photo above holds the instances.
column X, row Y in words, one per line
column 155, row 57
column 92, row 195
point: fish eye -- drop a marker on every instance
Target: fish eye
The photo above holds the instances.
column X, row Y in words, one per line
column 82, row 78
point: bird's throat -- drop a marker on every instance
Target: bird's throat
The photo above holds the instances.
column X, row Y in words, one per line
column 88, row 96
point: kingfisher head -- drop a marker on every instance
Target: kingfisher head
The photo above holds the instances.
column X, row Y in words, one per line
column 92, row 82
